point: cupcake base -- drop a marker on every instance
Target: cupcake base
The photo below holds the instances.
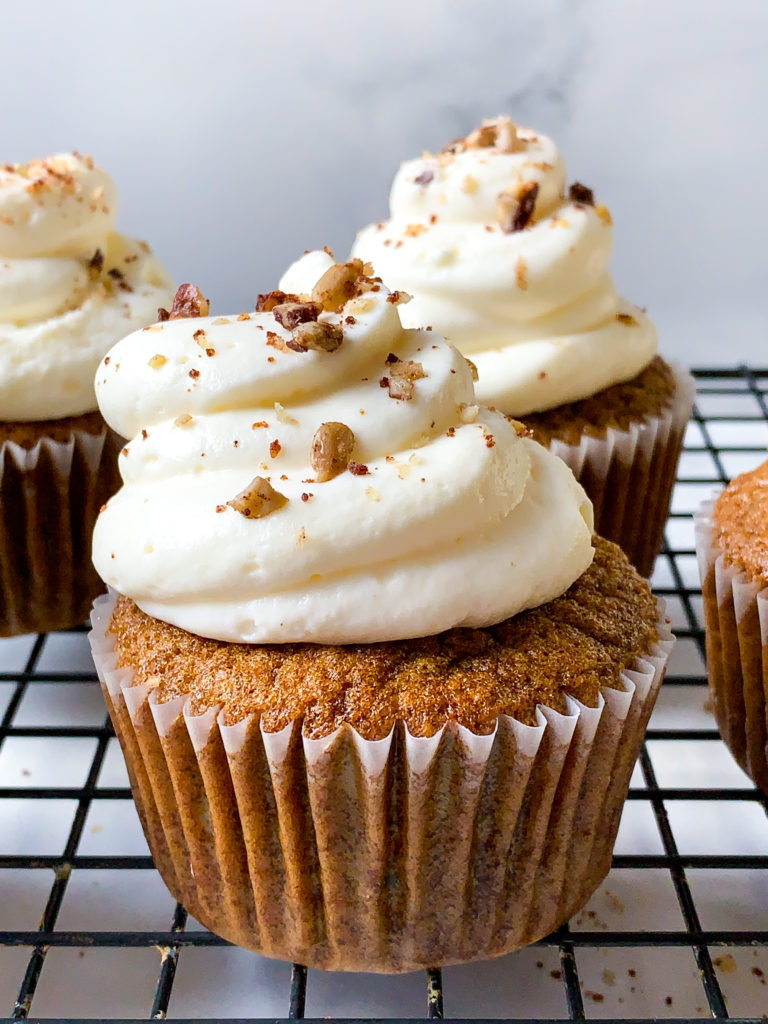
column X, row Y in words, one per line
column 623, row 446
column 388, row 854
column 52, row 486
column 736, row 620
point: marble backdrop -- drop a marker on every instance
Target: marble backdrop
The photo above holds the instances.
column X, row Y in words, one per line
column 242, row 133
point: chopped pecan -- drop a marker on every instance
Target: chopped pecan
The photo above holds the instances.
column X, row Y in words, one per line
column 402, row 375
column 332, row 448
column 266, row 302
column 507, row 139
column 317, row 336
column 482, row 137
column 358, row 469
column 579, row 193
column 289, row 314
column 514, row 209
column 189, row 301
column 339, row 284
column 424, row 178
column 258, row 499
column 95, row 265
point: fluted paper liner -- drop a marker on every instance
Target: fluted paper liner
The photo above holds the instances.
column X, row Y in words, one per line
column 629, row 475
column 736, row 619
column 50, row 496
column 388, row 855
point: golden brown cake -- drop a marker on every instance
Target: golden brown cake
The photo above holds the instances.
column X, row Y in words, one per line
column 732, row 545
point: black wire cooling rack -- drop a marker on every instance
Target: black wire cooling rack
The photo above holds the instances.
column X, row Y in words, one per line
column 715, row 443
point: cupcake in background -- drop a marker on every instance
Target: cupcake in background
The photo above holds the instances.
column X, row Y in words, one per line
column 70, row 286
column 378, row 691
column 732, row 548
column 511, row 265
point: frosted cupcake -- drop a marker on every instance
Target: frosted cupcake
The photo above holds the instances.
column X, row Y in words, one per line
column 70, row 286
column 512, row 267
column 732, row 546
column 378, row 693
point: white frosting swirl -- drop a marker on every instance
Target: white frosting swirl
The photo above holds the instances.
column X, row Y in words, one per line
column 535, row 309
column 457, row 521
column 61, row 309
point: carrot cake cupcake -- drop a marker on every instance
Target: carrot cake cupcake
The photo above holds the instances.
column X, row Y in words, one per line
column 732, row 546
column 511, row 265
column 70, row 286
column 378, row 690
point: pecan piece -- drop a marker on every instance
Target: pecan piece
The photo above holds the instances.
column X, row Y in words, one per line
column 338, row 285
column 95, row 265
column 579, row 193
column 332, row 448
column 316, row 335
column 482, row 137
column 266, row 302
column 188, row 301
column 258, row 499
column 424, row 178
column 507, row 139
column 402, row 375
column 289, row 314
column 515, row 209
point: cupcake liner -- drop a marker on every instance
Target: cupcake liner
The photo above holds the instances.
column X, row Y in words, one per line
column 50, row 495
column 736, row 620
column 629, row 475
column 389, row 855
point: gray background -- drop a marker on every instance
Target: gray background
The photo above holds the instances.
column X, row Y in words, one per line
column 241, row 133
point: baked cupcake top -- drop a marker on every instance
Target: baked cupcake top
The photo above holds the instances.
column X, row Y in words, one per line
column 512, row 268
column 741, row 523
column 314, row 472
column 70, row 286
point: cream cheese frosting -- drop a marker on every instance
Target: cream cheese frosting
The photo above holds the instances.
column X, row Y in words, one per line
column 70, row 285
column 228, row 527
column 511, row 269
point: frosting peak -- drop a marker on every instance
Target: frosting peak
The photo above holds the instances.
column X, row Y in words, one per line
column 312, row 471
column 69, row 284
column 511, row 267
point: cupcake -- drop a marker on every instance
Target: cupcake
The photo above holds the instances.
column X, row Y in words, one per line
column 732, row 547
column 378, row 691
column 70, row 286
column 512, row 268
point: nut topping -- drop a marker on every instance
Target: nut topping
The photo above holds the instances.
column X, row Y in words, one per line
column 189, row 301
column 581, row 194
column 95, row 265
column 424, row 178
column 290, row 314
column 507, row 139
column 340, row 283
column 317, row 336
column 332, row 448
column 266, row 303
column 258, row 499
column 482, row 137
column 515, row 209
column 402, row 374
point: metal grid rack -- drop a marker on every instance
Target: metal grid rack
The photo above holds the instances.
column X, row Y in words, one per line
column 727, row 435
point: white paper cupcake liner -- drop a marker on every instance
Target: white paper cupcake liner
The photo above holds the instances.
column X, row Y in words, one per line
column 50, row 496
column 629, row 475
column 389, row 855
column 736, row 619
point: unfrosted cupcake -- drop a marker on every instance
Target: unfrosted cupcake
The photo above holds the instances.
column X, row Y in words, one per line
column 512, row 267
column 732, row 546
column 70, row 286
column 378, row 694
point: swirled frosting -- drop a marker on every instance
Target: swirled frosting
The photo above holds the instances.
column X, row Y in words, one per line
column 443, row 516
column 70, row 285
column 510, row 269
